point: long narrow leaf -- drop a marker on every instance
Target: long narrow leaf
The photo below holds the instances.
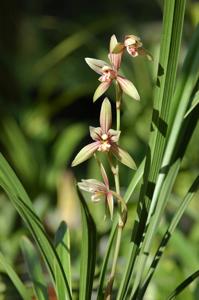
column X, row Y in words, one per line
column 155, row 214
column 34, row 269
column 23, row 205
column 168, row 234
column 183, row 285
column 23, row 291
column 88, row 252
column 106, row 260
column 62, row 244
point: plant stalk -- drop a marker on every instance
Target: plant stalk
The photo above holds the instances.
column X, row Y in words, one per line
column 122, row 208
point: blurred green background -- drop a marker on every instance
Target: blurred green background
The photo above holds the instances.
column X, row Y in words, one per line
column 46, row 106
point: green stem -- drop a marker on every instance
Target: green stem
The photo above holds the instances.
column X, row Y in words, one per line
column 118, row 105
column 121, row 203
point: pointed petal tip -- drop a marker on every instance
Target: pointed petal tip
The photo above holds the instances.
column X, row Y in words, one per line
column 101, row 89
column 73, row 164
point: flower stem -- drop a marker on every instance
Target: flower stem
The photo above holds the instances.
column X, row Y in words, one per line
column 122, row 205
column 118, row 105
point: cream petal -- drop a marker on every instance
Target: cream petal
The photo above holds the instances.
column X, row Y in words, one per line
column 113, row 42
column 85, row 153
column 115, row 60
column 105, row 115
column 95, row 133
column 123, row 156
column 92, row 186
column 131, row 40
column 96, row 64
column 101, row 89
column 128, row 87
column 114, row 134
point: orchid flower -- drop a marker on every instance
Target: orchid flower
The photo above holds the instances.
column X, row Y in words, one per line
column 99, row 190
column 133, row 45
column 109, row 73
column 105, row 140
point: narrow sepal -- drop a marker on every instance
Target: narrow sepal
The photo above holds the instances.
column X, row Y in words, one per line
column 101, row 89
column 104, row 176
column 85, row 153
column 128, row 87
column 96, row 64
column 105, row 115
column 123, row 156
column 115, row 58
column 113, row 42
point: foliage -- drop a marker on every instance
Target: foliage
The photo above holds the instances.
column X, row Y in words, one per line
column 39, row 140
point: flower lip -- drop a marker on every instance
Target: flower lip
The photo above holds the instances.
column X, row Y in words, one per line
column 132, row 40
column 108, row 74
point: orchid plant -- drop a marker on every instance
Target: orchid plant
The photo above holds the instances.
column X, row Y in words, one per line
column 106, row 139
column 174, row 119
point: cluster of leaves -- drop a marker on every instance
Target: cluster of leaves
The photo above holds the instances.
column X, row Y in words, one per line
column 174, row 120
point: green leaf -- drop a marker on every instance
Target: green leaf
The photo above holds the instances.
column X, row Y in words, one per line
column 62, row 245
column 183, row 285
column 168, row 234
column 34, row 269
column 88, row 252
column 14, row 278
column 194, row 103
column 106, row 260
column 134, row 181
column 22, row 203
column 154, row 216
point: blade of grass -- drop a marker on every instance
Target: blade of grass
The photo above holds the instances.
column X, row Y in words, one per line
column 168, row 234
column 169, row 51
column 106, row 260
column 62, row 245
column 154, row 216
column 22, row 203
column 175, row 141
column 194, row 103
column 152, row 227
column 34, row 269
column 88, row 251
column 21, row 288
column 183, row 285
column 134, row 181
column 190, row 72
column 170, row 46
